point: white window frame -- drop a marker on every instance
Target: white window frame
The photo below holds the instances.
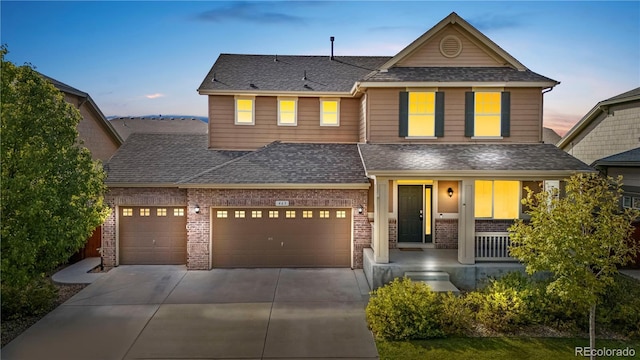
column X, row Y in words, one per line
column 493, row 199
column 475, row 101
column 253, row 109
column 295, row 111
column 627, row 202
column 433, row 114
column 322, row 100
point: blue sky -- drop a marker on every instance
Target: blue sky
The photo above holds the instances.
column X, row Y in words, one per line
column 149, row 57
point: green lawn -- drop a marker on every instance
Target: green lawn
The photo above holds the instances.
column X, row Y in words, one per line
column 495, row 348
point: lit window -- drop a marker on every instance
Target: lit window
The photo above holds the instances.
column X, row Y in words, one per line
column 307, row 214
column 497, row 199
column 290, row 214
column 324, row 214
column 287, row 111
column 178, row 212
column 487, row 114
column 240, row 214
column 221, row 214
column 422, row 113
column 341, row 214
column 329, row 112
column 127, row 212
column 245, row 111
column 273, row 214
column 256, row 214
column 161, row 212
column 145, row 212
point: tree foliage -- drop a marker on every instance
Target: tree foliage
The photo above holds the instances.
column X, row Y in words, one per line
column 580, row 238
column 52, row 191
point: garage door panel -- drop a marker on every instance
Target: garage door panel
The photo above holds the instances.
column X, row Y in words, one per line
column 301, row 241
column 159, row 237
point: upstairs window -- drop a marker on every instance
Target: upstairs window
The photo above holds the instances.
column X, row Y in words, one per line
column 329, row 112
column 487, row 114
column 245, row 111
column 421, row 114
column 287, row 111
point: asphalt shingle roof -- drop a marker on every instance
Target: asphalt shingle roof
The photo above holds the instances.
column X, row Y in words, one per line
column 456, row 74
column 163, row 158
column 239, row 72
column 629, row 157
column 280, row 163
column 465, row 157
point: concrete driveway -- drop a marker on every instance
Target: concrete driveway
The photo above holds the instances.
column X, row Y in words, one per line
column 165, row 312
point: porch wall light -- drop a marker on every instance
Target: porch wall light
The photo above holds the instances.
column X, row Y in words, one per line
column 197, row 209
column 450, row 192
column 360, row 209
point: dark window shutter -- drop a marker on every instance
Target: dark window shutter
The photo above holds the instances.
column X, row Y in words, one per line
column 505, row 123
column 439, row 130
column 469, row 116
column 404, row 114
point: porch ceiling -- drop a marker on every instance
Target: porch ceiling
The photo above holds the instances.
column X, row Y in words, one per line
column 467, row 158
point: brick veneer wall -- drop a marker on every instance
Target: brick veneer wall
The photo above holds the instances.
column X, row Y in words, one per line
column 493, row 225
column 199, row 227
column 446, row 233
column 133, row 197
column 393, row 234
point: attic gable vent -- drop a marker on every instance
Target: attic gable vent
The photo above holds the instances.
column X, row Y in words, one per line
column 450, row 46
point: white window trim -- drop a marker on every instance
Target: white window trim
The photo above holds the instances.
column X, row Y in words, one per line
column 421, row 137
column 253, row 109
column 493, row 200
column 322, row 113
column 295, row 110
column 475, row 101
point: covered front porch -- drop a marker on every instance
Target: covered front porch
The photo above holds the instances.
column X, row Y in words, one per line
column 463, row 276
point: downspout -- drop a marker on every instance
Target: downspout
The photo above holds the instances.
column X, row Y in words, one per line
column 540, row 139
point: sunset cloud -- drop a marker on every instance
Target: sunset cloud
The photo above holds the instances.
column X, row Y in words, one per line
column 154, row 96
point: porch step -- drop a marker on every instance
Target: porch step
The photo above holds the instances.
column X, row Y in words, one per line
column 438, row 281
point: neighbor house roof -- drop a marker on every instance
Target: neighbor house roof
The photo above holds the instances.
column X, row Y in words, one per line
column 623, row 159
column 126, row 126
column 73, row 91
column 263, row 73
column 163, row 159
column 457, row 159
column 601, row 107
column 288, row 163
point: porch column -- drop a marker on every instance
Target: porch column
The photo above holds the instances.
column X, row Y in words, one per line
column 381, row 220
column 466, row 224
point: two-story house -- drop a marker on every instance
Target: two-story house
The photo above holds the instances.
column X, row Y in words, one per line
column 336, row 160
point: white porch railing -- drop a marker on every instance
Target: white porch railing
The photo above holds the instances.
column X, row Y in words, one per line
column 493, row 246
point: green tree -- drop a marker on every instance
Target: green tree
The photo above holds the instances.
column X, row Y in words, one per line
column 52, row 191
column 580, row 238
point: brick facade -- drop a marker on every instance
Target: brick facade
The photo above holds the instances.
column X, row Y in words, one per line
column 446, row 233
column 199, row 227
column 393, row 234
column 493, row 225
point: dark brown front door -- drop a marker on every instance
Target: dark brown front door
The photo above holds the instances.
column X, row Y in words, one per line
column 281, row 237
column 151, row 235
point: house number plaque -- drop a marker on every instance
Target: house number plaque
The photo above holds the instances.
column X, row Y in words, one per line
column 282, row 203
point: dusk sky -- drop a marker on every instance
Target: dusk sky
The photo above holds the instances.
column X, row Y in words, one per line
column 143, row 58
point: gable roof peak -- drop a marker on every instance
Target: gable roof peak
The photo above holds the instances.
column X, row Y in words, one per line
column 454, row 18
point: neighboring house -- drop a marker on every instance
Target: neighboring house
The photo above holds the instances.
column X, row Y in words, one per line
column 611, row 127
column 339, row 160
column 95, row 131
column 627, row 165
column 97, row 135
column 549, row 136
column 126, row 126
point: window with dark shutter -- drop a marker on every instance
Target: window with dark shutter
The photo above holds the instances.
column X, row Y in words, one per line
column 439, row 128
column 505, row 115
column 469, row 114
column 404, row 114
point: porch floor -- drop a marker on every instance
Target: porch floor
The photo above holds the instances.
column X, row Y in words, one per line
column 466, row 277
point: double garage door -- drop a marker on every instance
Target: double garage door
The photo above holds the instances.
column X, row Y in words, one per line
column 153, row 235
column 281, row 237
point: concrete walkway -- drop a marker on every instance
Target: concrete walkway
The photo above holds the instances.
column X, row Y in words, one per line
column 632, row 273
column 78, row 273
column 165, row 312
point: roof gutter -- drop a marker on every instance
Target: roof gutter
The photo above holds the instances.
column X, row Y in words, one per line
column 490, row 174
column 352, row 186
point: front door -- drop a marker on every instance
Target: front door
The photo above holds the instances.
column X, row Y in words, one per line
column 410, row 213
column 414, row 214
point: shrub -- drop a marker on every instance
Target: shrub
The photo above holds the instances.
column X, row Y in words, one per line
column 500, row 310
column 34, row 299
column 404, row 310
column 455, row 316
column 620, row 307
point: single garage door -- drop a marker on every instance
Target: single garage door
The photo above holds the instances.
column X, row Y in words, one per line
column 281, row 237
column 153, row 235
